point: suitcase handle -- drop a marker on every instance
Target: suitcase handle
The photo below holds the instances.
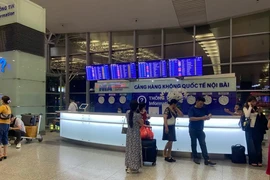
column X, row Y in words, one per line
column 238, row 145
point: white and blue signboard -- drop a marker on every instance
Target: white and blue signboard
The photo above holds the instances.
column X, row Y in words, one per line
column 219, row 93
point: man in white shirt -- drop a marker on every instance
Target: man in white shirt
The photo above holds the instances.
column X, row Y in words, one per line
column 17, row 129
column 72, row 106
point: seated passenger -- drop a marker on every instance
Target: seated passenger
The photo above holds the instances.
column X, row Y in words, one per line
column 17, row 129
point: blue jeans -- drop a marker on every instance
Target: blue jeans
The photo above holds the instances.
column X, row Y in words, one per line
column 4, row 128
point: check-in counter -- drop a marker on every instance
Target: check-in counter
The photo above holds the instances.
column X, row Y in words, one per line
column 105, row 129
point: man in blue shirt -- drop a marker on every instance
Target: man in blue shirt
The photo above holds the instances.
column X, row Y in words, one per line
column 197, row 115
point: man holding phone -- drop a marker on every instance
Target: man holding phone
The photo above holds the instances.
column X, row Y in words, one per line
column 197, row 115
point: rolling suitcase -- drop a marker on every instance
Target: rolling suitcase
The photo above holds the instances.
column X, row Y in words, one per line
column 238, row 154
column 149, row 151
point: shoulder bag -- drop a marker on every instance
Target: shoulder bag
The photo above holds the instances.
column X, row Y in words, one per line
column 124, row 128
column 171, row 121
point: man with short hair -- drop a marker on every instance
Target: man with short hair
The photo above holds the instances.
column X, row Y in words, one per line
column 17, row 129
column 197, row 115
column 73, row 107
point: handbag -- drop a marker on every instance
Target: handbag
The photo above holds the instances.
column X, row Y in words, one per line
column 245, row 123
column 124, row 129
column 171, row 121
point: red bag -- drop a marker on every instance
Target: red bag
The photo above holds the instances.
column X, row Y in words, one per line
column 146, row 133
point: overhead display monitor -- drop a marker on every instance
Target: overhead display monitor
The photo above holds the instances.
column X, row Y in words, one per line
column 98, row 72
column 153, row 69
column 191, row 66
column 123, row 71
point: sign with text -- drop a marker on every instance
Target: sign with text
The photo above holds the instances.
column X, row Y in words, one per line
column 195, row 85
column 7, row 13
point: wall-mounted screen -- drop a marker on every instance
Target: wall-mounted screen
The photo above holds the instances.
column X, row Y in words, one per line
column 98, row 72
column 123, row 71
column 153, row 69
column 191, row 66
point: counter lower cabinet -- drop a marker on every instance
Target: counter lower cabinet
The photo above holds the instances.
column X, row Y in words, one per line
column 100, row 128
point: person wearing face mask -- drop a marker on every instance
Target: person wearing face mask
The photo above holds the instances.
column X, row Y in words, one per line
column 5, row 113
column 170, row 115
column 197, row 115
column 255, row 131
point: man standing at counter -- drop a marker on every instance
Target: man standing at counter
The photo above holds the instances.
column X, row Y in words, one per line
column 197, row 115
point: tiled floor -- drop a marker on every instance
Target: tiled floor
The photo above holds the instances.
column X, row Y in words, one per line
column 54, row 159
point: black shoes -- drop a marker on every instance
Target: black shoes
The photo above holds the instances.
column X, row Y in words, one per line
column 169, row 159
column 208, row 162
column 196, row 161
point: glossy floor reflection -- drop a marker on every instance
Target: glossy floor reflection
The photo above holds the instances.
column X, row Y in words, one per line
column 54, row 159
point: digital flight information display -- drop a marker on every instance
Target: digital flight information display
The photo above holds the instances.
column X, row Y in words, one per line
column 191, row 66
column 123, row 71
column 98, row 72
column 152, row 69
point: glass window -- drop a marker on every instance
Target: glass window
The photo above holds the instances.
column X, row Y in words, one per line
column 213, row 30
column 252, row 24
column 122, row 40
column 58, row 64
column 178, row 35
column 99, row 42
column 214, row 51
column 79, row 98
column 149, row 37
column 123, row 56
column 77, row 83
column 179, row 50
column 53, row 103
column 251, row 48
column 52, row 84
column 77, row 43
column 149, row 53
column 77, row 64
column 100, row 58
column 256, row 75
column 214, row 70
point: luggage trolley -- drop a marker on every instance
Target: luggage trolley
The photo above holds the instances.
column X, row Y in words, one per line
column 37, row 135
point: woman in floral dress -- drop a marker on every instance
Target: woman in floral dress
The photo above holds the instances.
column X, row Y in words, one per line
column 133, row 159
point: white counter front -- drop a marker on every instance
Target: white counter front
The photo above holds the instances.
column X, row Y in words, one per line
column 105, row 129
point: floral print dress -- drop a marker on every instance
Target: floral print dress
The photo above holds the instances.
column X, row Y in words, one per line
column 133, row 158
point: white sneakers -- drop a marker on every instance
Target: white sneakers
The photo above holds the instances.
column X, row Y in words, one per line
column 18, row 146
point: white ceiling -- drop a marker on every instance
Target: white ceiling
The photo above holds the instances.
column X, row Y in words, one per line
column 70, row 16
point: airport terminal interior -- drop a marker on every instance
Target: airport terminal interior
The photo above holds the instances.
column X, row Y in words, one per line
column 70, row 70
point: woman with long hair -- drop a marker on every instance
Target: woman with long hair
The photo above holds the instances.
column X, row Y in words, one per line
column 133, row 158
column 255, row 130
column 5, row 113
column 169, row 135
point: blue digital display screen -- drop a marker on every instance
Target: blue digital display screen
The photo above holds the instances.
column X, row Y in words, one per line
column 123, row 71
column 98, row 72
column 191, row 66
column 153, row 69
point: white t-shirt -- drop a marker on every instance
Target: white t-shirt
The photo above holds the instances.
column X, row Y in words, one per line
column 19, row 122
column 72, row 107
column 252, row 116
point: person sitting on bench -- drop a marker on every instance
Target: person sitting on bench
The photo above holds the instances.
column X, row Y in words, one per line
column 17, row 129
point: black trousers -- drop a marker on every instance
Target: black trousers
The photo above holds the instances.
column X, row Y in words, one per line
column 254, row 146
column 200, row 135
column 16, row 133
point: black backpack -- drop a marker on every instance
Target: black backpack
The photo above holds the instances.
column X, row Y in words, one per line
column 239, row 154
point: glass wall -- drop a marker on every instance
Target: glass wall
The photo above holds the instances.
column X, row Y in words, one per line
column 240, row 45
